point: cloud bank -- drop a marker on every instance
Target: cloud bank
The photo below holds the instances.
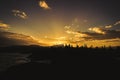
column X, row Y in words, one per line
column 96, row 36
column 10, row 39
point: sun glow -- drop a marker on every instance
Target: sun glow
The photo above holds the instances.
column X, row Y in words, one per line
column 58, row 43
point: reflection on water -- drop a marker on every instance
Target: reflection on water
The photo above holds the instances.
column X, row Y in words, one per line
column 10, row 59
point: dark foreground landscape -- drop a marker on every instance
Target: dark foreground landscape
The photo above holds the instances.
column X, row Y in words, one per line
column 57, row 62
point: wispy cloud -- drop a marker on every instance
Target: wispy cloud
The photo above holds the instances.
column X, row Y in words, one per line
column 108, row 26
column 67, row 27
column 4, row 26
column 75, row 33
column 117, row 23
column 20, row 14
column 97, row 30
column 112, row 25
column 44, row 5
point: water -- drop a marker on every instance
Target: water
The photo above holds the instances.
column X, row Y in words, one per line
column 10, row 59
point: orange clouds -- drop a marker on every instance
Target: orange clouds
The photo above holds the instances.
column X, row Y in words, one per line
column 44, row 5
column 76, row 34
column 97, row 30
column 4, row 26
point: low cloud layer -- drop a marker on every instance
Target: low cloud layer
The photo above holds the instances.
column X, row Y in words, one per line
column 110, row 38
column 44, row 5
column 10, row 39
column 20, row 14
column 110, row 34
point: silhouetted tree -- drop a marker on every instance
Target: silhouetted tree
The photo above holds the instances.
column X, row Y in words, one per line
column 85, row 46
column 77, row 46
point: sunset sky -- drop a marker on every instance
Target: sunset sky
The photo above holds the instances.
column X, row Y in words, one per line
column 51, row 22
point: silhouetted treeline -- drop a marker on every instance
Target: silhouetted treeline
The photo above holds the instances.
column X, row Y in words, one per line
column 60, row 48
column 56, row 52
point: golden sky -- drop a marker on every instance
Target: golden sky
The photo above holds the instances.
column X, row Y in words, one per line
column 55, row 22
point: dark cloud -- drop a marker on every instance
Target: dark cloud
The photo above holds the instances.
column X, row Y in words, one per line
column 9, row 39
column 109, row 34
column 112, row 34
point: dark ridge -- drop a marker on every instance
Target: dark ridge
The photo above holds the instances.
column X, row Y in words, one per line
column 64, row 62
